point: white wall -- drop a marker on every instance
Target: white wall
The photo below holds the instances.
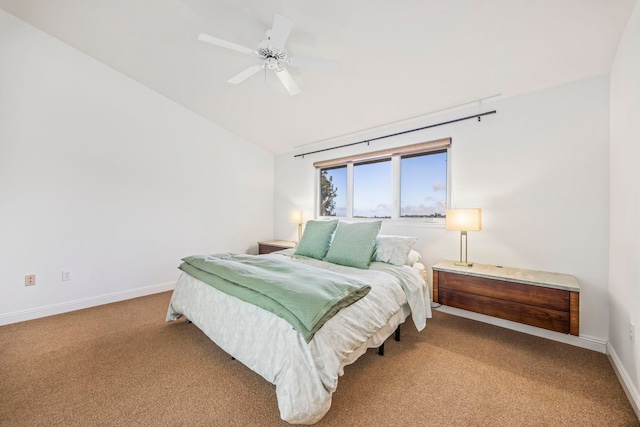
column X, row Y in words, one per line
column 624, row 241
column 109, row 180
column 538, row 168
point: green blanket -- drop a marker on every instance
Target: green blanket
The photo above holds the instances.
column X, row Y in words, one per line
column 303, row 295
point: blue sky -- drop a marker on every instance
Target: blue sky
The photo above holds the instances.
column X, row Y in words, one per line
column 423, row 187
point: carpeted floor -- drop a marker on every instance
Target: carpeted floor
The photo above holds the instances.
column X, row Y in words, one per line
column 122, row 365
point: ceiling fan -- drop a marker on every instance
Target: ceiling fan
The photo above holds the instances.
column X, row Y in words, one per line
column 272, row 55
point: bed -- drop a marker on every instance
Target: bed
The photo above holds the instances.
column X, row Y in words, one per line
column 305, row 370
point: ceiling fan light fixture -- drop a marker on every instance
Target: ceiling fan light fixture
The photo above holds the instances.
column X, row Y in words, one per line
column 271, row 63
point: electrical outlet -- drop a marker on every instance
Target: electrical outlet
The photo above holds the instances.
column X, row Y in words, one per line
column 632, row 331
column 66, row 275
column 30, row 280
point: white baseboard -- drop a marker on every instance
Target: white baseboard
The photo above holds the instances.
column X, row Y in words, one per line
column 581, row 341
column 50, row 310
column 624, row 378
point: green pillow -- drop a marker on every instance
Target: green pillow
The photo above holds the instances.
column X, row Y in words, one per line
column 353, row 244
column 316, row 238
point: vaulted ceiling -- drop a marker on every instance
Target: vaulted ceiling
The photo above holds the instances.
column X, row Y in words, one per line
column 397, row 59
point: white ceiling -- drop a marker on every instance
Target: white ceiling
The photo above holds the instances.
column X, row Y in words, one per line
column 397, row 59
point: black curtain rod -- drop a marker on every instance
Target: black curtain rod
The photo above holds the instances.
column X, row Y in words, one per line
column 399, row 133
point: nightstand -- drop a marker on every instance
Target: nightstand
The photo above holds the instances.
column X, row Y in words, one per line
column 269, row 246
column 537, row 298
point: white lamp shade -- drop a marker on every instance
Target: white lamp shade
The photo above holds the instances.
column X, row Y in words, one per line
column 464, row 219
column 295, row 217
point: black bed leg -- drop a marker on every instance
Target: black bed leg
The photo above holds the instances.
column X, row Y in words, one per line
column 397, row 337
column 381, row 350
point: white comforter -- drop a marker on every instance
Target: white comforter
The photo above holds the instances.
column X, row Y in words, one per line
column 305, row 375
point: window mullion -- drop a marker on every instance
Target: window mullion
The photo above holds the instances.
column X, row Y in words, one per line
column 349, row 190
column 395, row 187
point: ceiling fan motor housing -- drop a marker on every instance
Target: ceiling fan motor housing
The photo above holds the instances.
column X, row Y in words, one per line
column 271, row 57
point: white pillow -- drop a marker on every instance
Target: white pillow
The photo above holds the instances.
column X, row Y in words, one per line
column 393, row 249
column 413, row 257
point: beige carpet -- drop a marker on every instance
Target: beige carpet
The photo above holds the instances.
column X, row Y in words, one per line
column 122, row 365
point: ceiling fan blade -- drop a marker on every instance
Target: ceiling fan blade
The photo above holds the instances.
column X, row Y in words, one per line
column 243, row 75
column 313, row 63
column 229, row 45
column 288, row 81
column 280, row 31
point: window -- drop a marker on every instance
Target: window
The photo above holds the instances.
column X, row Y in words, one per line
column 423, row 185
column 333, row 191
column 405, row 182
column 372, row 196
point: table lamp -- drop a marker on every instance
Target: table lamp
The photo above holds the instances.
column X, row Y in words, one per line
column 295, row 217
column 464, row 220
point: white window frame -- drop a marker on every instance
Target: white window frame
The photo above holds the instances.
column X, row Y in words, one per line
column 395, row 155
